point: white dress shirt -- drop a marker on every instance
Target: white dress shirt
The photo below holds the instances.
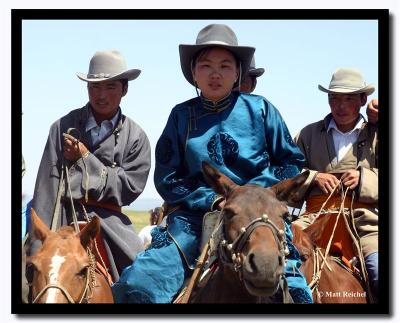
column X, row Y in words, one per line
column 344, row 141
column 99, row 132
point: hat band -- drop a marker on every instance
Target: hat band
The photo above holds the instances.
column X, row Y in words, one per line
column 99, row 75
column 216, row 42
column 347, row 87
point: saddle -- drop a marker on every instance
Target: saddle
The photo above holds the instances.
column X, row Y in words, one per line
column 321, row 230
column 207, row 263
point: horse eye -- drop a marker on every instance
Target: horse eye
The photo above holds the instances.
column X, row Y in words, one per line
column 228, row 214
column 83, row 272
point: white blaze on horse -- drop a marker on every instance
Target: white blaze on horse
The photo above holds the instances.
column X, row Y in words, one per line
column 64, row 269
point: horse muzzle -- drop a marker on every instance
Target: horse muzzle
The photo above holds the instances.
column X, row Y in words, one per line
column 261, row 273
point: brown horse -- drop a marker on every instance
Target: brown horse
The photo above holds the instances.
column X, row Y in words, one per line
column 336, row 282
column 62, row 270
column 252, row 252
column 253, row 249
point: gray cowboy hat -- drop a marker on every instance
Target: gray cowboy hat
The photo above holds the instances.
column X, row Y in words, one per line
column 347, row 81
column 107, row 66
column 214, row 35
column 253, row 71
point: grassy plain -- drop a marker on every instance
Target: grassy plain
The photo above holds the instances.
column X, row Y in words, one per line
column 139, row 218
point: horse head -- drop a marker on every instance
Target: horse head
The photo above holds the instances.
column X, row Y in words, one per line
column 254, row 241
column 60, row 271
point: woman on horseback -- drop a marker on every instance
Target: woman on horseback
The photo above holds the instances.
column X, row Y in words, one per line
column 243, row 135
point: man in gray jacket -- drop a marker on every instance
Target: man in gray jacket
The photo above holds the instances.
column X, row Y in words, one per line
column 101, row 164
column 343, row 148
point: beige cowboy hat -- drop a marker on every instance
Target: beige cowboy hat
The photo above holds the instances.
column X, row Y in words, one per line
column 214, row 35
column 348, row 81
column 106, row 66
column 253, row 71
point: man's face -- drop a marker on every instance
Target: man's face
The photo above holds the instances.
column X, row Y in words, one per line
column 215, row 73
column 345, row 109
column 105, row 97
column 248, row 85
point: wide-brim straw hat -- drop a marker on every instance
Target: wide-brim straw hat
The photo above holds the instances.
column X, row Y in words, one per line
column 215, row 35
column 253, row 71
column 107, row 66
column 348, row 81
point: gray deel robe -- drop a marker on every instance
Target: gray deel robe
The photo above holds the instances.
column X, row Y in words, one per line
column 118, row 168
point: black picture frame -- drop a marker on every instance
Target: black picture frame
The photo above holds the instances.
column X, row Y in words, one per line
column 382, row 16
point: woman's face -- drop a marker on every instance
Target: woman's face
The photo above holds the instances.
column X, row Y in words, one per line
column 215, row 72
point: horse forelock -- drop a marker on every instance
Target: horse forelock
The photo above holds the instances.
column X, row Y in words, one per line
column 253, row 201
column 65, row 231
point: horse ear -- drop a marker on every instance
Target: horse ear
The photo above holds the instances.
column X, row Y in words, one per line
column 286, row 190
column 39, row 228
column 219, row 182
column 90, row 231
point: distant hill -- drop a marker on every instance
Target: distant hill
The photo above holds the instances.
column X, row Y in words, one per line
column 144, row 204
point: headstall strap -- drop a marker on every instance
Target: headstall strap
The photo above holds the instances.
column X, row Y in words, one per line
column 84, row 296
column 231, row 252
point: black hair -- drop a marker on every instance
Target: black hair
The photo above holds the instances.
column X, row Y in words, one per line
column 203, row 52
column 124, row 82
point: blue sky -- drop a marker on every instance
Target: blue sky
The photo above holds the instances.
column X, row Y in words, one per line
column 297, row 55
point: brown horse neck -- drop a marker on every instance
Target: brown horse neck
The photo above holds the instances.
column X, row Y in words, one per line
column 302, row 241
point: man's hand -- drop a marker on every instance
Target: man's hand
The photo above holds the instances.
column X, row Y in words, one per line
column 326, row 182
column 73, row 149
column 351, row 178
column 372, row 111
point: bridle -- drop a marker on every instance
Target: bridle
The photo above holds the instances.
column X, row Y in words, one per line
column 90, row 283
column 84, row 295
column 231, row 253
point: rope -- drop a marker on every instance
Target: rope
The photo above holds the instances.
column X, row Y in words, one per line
column 317, row 269
column 326, row 201
column 341, row 213
column 86, row 184
column 56, row 213
column 356, row 240
column 74, row 217
column 95, row 242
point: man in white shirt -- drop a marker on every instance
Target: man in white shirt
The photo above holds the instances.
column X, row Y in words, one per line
column 342, row 149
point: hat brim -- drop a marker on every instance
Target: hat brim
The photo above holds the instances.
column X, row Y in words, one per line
column 368, row 90
column 256, row 72
column 186, row 53
column 127, row 75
